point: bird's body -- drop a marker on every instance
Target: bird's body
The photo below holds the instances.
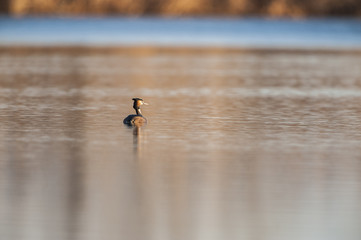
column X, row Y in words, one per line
column 136, row 119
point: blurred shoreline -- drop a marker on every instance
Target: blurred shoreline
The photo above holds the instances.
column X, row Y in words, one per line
column 271, row 8
column 149, row 50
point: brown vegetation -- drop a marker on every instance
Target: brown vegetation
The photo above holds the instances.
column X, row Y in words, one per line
column 276, row 8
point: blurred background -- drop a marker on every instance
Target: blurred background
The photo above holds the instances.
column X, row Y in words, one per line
column 254, row 119
column 276, row 8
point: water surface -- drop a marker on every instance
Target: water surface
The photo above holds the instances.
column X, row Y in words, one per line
column 240, row 144
column 328, row 33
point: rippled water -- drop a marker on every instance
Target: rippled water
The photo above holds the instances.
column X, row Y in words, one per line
column 239, row 144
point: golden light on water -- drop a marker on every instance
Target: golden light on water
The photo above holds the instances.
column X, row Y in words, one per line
column 239, row 144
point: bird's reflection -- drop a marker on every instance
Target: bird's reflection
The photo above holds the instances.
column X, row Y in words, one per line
column 137, row 139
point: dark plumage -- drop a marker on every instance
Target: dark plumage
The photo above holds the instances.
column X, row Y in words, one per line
column 136, row 119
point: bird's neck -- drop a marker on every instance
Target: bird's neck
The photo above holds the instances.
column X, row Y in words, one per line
column 137, row 110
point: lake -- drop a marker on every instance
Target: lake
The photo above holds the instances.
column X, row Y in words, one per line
column 241, row 143
column 312, row 34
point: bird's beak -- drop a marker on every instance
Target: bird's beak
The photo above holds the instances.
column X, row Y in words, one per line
column 145, row 103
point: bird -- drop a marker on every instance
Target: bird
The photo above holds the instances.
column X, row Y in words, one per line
column 136, row 119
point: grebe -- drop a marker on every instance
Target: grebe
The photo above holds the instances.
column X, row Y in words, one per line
column 136, row 119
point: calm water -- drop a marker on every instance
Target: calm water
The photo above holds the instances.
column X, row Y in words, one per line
column 239, row 145
column 200, row 32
